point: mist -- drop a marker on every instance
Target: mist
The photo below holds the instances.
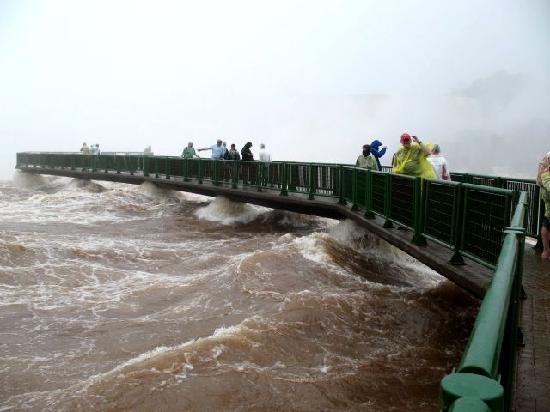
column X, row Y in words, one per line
column 313, row 80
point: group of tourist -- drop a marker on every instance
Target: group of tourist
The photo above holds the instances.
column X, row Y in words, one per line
column 413, row 158
column 90, row 150
column 221, row 152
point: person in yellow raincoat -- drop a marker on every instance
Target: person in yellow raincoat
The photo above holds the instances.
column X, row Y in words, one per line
column 411, row 158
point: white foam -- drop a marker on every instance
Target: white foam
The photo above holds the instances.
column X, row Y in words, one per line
column 29, row 181
column 227, row 212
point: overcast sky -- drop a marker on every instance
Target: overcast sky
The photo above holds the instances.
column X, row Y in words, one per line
column 314, row 80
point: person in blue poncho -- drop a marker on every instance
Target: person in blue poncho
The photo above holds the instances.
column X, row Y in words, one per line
column 377, row 152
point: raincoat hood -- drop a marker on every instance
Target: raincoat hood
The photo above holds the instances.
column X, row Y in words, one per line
column 376, row 144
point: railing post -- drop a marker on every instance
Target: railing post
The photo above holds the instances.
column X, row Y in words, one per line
column 234, row 173
column 185, row 166
column 284, row 183
column 458, row 226
column 146, row 166
column 167, row 171
column 215, row 174
column 200, row 171
column 388, row 224
column 342, row 199
column 418, row 214
column 311, row 173
column 259, row 172
column 354, row 206
column 369, row 214
column 291, row 183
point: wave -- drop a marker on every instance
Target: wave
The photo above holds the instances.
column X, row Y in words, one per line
column 227, row 212
column 30, row 181
column 350, row 249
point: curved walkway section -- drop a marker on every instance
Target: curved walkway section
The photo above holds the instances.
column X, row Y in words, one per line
column 469, row 273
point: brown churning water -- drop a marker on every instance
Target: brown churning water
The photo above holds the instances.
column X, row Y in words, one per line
column 116, row 297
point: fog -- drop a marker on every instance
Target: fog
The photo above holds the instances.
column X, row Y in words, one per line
column 314, row 80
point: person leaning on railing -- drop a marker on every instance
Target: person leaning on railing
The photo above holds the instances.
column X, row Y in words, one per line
column 217, row 150
column 411, row 158
column 366, row 160
column 189, row 151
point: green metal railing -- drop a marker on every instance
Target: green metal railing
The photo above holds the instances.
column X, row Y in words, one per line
column 480, row 218
column 484, row 379
column 535, row 207
column 467, row 218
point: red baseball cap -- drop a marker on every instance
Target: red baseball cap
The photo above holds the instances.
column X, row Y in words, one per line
column 405, row 137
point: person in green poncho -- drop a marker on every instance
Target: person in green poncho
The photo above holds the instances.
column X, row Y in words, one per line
column 189, row 151
column 411, row 158
column 366, row 160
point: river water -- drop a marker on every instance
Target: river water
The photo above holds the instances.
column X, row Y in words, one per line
column 116, row 297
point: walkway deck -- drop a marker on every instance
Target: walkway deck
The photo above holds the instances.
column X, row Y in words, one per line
column 533, row 378
column 472, row 276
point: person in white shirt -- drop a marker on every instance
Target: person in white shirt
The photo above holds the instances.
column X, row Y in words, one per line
column 439, row 163
column 265, row 156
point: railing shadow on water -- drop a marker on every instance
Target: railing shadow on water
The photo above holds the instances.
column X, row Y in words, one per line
column 475, row 216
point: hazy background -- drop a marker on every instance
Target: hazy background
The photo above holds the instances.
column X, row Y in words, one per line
column 314, row 80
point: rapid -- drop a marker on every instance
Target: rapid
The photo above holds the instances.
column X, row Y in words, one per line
column 116, row 297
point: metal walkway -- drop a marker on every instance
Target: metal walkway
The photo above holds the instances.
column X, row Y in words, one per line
column 533, row 372
column 472, row 276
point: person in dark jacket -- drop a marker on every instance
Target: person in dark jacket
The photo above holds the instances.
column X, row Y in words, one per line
column 232, row 153
column 248, row 170
column 246, row 153
column 377, row 152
